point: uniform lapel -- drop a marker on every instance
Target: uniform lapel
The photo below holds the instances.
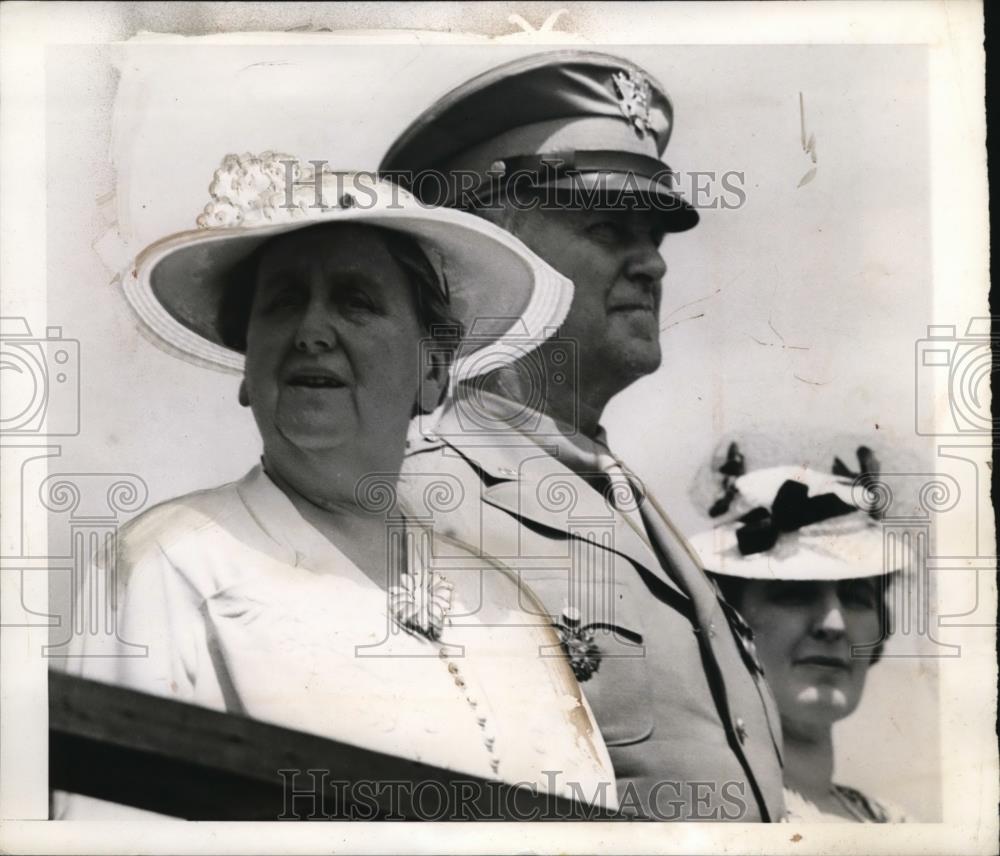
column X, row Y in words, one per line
column 676, row 551
column 719, row 643
column 529, row 483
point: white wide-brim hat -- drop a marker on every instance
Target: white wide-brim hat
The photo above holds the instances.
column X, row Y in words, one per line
column 507, row 298
column 846, row 545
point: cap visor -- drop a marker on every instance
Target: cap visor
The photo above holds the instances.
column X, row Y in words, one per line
column 625, row 191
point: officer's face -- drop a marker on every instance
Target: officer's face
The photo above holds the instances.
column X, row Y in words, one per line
column 804, row 633
column 614, row 262
column 332, row 352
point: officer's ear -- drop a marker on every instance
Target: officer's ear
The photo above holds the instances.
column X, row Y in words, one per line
column 433, row 384
column 243, row 395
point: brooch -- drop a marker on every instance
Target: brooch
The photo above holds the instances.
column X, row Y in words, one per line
column 420, row 602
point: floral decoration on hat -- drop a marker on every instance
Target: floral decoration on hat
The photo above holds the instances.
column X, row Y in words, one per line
column 271, row 188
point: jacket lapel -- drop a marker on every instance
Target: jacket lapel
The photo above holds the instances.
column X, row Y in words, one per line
column 529, row 483
column 715, row 631
column 675, row 550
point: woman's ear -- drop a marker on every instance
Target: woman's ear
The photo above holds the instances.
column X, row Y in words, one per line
column 433, row 385
column 243, row 395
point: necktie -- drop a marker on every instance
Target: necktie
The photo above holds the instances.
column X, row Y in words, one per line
column 624, row 492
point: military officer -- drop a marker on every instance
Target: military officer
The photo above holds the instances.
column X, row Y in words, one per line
column 564, row 150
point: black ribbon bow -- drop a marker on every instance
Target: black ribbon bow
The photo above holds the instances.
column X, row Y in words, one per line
column 792, row 509
column 869, row 469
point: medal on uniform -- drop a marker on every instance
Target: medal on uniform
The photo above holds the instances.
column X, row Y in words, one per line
column 577, row 640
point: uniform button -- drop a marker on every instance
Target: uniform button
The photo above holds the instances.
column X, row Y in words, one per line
column 741, row 729
column 711, row 631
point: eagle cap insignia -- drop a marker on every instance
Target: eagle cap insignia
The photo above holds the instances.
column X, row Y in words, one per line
column 633, row 92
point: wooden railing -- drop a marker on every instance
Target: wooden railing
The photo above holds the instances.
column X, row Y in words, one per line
column 190, row 762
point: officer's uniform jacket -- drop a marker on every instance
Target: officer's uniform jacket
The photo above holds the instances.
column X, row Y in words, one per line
column 688, row 719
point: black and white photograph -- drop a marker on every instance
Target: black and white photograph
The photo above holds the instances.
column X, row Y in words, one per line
column 569, row 419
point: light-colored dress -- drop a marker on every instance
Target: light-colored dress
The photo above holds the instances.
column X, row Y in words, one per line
column 861, row 808
column 243, row 606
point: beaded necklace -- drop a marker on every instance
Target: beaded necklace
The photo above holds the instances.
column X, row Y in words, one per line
column 420, row 604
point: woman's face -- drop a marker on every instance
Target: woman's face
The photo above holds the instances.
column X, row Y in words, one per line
column 332, row 357
column 805, row 632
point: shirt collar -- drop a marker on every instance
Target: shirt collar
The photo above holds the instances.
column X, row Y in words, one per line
column 578, row 452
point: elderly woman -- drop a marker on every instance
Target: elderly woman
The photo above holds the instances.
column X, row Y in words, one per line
column 302, row 594
column 803, row 565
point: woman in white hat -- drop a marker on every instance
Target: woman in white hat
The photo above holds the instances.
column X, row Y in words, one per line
column 803, row 564
column 302, row 594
